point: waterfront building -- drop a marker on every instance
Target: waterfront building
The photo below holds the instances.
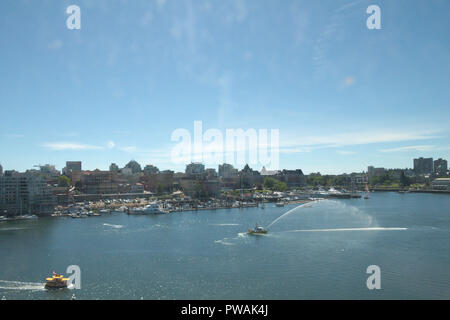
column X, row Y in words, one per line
column 250, row 178
column 292, row 178
column 230, row 183
column 25, row 193
column 441, row 184
column 227, row 171
column 440, row 166
column 359, row 181
column 158, row 182
column 423, row 165
column 98, row 182
column 200, row 187
column 195, row 168
column 137, row 188
column 63, row 195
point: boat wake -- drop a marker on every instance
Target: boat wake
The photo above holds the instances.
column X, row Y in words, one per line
column 224, row 242
column 12, row 229
column 225, row 224
column 232, row 241
column 350, row 229
column 115, row 226
column 18, row 285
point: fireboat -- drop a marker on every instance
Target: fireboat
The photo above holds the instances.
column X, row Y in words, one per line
column 257, row 230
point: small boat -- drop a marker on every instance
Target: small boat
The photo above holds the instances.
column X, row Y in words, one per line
column 280, row 204
column 57, row 281
column 366, row 195
column 257, row 230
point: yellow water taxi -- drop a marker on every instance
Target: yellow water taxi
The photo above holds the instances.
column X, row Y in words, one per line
column 56, row 281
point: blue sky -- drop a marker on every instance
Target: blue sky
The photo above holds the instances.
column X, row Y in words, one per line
column 342, row 96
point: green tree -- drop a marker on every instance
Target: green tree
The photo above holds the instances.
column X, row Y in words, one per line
column 269, row 183
column 280, row 186
column 404, row 180
column 63, row 181
column 274, row 184
column 160, row 189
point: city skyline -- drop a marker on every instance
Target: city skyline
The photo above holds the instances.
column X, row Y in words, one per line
column 418, row 165
column 343, row 97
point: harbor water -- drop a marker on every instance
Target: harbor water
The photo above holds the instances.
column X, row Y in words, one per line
column 318, row 251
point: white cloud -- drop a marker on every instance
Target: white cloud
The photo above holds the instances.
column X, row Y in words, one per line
column 129, row 149
column 345, row 152
column 111, row 144
column 357, row 138
column 59, row 146
column 414, row 148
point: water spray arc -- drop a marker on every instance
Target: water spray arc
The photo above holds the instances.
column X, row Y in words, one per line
column 288, row 213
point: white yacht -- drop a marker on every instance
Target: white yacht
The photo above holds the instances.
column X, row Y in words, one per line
column 152, row 208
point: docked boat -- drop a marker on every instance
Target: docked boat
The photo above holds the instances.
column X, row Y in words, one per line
column 152, row 208
column 257, row 230
column 57, row 281
column 26, row 217
column 78, row 215
column 280, row 204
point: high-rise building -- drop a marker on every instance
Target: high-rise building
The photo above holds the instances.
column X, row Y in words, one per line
column 195, row 168
column 227, row 171
column 22, row 193
column 440, row 166
column 73, row 165
column 1, row 170
column 423, row 165
column 372, row 171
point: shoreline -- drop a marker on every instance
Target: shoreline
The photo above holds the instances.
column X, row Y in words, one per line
column 212, row 208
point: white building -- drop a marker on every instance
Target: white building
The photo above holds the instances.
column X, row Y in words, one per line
column 441, row 184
